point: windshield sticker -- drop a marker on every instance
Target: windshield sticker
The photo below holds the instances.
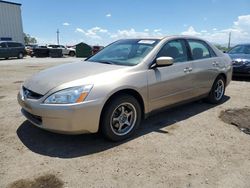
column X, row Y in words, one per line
column 146, row 42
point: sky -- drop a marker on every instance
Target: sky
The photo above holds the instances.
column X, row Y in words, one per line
column 100, row 22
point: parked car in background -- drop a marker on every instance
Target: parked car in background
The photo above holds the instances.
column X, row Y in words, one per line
column 12, row 49
column 126, row 81
column 96, row 49
column 29, row 48
column 240, row 55
column 65, row 50
column 40, row 51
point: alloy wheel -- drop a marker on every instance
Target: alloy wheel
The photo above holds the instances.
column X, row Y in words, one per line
column 219, row 89
column 123, row 119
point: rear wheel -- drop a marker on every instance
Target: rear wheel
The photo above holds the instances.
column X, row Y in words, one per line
column 20, row 55
column 120, row 118
column 217, row 92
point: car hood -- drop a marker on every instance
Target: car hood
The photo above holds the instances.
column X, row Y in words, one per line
column 240, row 56
column 53, row 77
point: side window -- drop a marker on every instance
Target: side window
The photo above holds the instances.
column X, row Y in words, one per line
column 13, row 44
column 213, row 54
column 17, row 44
column 175, row 49
column 199, row 49
column 10, row 44
column 3, row 45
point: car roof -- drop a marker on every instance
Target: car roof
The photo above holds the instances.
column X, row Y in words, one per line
column 9, row 41
column 168, row 37
column 243, row 44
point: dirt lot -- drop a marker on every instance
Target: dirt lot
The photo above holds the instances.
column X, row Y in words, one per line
column 188, row 146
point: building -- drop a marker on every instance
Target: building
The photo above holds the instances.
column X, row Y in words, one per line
column 11, row 28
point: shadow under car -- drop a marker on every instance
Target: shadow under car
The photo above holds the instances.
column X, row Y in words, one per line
column 71, row 146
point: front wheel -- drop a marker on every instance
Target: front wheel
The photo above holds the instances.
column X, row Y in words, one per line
column 217, row 92
column 71, row 53
column 120, row 118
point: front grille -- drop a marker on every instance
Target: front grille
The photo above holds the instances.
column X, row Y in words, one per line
column 31, row 94
column 33, row 118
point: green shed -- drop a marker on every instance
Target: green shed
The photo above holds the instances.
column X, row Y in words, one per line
column 83, row 50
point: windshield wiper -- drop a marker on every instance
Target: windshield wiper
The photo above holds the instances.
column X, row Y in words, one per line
column 106, row 62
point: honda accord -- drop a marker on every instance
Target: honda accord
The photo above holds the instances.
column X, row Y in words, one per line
column 113, row 90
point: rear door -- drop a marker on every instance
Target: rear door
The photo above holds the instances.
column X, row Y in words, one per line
column 171, row 84
column 205, row 66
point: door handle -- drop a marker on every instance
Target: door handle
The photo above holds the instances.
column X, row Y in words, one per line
column 188, row 69
column 215, row 63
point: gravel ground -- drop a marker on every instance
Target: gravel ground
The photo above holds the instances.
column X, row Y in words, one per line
column 187, row 146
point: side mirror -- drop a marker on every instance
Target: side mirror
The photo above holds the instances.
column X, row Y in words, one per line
column 164, row 61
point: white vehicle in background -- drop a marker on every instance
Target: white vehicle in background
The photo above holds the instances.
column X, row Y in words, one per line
column 65, row 50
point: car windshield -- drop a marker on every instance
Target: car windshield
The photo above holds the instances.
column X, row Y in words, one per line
column 127, row 52
column 240, row 49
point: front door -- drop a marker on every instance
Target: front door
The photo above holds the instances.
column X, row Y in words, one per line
column 12, row 49
column 3, row 50
column 171, row 84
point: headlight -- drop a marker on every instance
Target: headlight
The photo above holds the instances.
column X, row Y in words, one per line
column 70, row 95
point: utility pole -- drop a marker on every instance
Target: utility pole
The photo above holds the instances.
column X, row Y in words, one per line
column 229, row 40
column 57, row 35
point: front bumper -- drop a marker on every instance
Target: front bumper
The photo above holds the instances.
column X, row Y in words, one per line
column 241, row 70
column 67, row 119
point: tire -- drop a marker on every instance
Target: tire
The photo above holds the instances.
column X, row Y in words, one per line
column 120, row 118
column 216, row 94
column 20, row 55
column 71, row 53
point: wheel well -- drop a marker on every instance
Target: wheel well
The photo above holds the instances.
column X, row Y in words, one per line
column 131, row 92
column 224, row 76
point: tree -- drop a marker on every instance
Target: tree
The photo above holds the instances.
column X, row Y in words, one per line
column 29, row 40
column 222, row 48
